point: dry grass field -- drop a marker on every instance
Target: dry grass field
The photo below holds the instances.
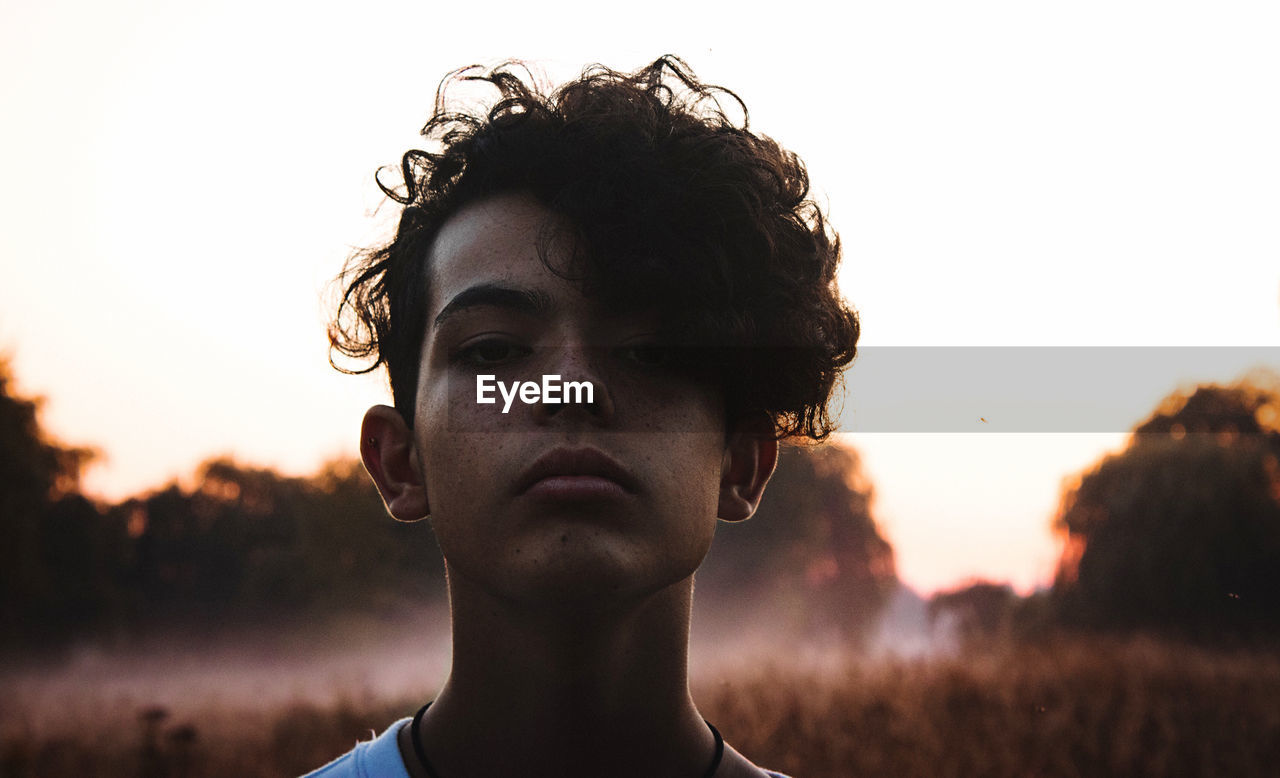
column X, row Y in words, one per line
column 1067, row 709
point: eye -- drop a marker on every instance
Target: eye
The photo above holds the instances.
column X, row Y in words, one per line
column 647, row 355
column 492, row 351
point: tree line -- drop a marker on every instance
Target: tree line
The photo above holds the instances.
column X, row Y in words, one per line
column 1177, row 534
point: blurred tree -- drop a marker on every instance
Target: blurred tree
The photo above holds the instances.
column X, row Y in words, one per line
column 34, row 470
column 368, row 558
column 39, row 478
column 1180, row 532
column 813, row 548
column 249, row 542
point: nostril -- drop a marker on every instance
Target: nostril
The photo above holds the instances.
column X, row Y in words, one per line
column 578, row 395
column 579, row 368
column 588, row 404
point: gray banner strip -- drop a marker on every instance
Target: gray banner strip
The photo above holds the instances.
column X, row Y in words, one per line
column 1025, row 389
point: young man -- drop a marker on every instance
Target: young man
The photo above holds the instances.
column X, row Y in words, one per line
column 601, row 312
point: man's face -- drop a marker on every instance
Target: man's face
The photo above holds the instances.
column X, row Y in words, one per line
column 555, row 503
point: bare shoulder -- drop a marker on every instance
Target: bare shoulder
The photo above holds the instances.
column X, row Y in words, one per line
column 735, row 765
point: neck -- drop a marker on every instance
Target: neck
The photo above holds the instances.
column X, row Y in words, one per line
column 580, row 691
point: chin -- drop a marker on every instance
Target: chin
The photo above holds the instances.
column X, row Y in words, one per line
column 583, row 575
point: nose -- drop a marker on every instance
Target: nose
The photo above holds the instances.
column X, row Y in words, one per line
column 579, row 367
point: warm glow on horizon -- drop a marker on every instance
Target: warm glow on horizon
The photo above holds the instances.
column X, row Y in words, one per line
column 181, row 184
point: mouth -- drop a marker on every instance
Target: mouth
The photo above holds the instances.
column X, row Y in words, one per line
column 576, row 473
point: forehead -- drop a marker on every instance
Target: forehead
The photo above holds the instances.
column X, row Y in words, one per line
column 493, row 240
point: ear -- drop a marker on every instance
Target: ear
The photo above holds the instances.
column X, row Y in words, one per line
column 749, row 459
column 390, row 456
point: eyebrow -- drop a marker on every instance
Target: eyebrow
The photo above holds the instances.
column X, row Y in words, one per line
column 532, row 302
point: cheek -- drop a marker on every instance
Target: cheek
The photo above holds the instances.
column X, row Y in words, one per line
column 452, row 474
column 449, row 455
column 454, row 470
column 691, row 469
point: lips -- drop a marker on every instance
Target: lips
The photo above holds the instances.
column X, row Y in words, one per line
column 585, row 467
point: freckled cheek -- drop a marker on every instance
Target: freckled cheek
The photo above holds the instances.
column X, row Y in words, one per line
column 457, row 468
column 451, row 463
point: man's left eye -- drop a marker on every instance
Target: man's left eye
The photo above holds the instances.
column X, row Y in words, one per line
column 647, row 355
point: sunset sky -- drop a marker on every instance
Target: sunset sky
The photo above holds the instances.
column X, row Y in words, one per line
column 180, row 181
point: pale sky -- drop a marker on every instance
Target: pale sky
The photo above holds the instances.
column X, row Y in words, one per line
column 179, row 181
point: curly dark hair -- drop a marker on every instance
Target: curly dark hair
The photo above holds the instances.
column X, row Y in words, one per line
column 676, row 207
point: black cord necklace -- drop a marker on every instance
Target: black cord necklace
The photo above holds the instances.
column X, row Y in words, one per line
column 421, row 752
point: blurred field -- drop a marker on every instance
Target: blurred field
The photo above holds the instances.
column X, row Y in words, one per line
column 1072, row 708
